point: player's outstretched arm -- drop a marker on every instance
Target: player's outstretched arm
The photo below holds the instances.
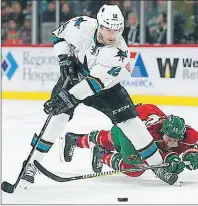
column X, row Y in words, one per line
column 191, row 154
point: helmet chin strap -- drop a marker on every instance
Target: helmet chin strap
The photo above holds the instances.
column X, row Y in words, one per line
column 101, row 38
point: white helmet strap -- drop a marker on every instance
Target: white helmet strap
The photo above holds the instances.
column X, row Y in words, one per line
column 101, row 38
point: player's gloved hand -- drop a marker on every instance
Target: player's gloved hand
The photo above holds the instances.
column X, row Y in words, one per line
column 68, row 68
column 61, row 103
column 191, row 155
column 175, row 163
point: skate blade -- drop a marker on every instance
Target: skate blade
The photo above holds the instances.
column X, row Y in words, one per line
column 61, row 148
column 24, row 184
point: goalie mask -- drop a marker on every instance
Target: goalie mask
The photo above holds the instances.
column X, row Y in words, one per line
column 111, row 23
column 174, row 127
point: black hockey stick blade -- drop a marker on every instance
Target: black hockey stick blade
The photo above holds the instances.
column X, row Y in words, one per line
column 88, row 176
column 7, row 187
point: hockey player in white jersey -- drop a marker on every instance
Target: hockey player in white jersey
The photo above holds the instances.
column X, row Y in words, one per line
column 93, row 56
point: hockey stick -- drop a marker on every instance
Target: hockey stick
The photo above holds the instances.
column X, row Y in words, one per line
column 93, row 175
column 6, row 186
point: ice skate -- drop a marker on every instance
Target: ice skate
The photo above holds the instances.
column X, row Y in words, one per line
column 97, row 162
column 28, row 176
column 69, row 143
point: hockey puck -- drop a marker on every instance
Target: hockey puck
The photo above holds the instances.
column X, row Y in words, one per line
column 122, row 199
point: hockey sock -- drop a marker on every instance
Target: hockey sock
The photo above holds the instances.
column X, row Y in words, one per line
column 83, row 141
column 43, row 146
column 53, row 130
column 101, row 137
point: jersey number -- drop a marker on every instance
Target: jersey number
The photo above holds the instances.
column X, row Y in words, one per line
column 114, row 71
column 115, row 16
column 152, row 119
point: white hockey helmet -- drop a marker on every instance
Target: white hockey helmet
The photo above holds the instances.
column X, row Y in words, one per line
column 110, row 17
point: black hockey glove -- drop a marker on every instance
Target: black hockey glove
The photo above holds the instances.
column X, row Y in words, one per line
column 68, row 68
column 63, row 102
column 68, row 74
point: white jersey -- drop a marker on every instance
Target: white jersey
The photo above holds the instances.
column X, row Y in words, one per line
column 103, row 65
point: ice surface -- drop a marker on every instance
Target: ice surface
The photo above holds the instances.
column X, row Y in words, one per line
column 21, row 119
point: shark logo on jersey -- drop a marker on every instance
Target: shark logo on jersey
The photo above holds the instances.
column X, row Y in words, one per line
column 121, row 54
column 78, row 22
column 114, row 71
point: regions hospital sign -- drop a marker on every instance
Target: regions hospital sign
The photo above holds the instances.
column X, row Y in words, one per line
column 160, row 75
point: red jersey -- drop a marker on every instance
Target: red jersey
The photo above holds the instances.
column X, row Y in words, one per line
column 151, row 115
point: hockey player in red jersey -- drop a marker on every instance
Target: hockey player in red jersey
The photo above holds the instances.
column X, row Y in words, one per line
column 172, row 136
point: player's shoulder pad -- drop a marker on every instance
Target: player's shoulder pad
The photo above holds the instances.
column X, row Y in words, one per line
column 117, row 54
column 77, row 27
column 191, row 135
column 83, row 23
